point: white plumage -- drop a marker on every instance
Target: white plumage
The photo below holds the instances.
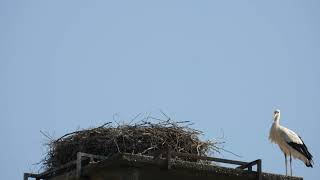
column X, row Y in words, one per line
column 289, row 142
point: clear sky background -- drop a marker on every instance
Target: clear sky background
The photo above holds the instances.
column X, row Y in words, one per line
column 225, row 65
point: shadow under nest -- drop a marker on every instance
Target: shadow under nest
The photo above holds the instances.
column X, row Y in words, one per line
column 145, row 138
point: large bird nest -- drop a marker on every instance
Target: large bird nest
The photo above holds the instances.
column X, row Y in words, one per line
column 145, row 138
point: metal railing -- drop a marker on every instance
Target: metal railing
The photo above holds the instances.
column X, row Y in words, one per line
column 243, row 165
column 78, row 164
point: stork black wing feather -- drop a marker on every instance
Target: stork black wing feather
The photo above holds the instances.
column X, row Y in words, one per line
column 302, row 148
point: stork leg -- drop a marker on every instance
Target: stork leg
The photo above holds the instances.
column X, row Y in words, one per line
column 285, row 160
column 290, row 165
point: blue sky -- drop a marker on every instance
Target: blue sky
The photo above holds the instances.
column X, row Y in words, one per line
column 225, row 65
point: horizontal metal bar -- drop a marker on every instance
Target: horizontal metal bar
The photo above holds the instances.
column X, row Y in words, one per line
column 250, row 164
column 92, row 156
column 209, row 158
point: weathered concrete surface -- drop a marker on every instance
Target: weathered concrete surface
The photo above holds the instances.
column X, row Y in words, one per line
column 144, row 168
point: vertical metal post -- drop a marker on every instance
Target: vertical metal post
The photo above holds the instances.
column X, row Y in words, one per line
column 259, row 169
column 25, row 176
column 79, row 159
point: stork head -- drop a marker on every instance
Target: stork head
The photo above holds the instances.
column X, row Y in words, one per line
column 276, row 115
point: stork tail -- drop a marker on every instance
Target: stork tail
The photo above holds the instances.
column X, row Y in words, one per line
column 309, row 164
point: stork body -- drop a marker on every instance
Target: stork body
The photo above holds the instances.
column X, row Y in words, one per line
column 289, row 142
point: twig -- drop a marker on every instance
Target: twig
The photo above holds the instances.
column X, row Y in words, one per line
column 103, row 125
column 134, row 118
column 46, row 135
column 230, row 152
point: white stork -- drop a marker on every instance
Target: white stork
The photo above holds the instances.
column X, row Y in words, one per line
column 289, row 142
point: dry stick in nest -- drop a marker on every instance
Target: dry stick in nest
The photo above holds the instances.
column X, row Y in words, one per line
column 81, row 131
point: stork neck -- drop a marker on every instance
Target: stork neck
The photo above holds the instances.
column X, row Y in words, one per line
column 277, row 119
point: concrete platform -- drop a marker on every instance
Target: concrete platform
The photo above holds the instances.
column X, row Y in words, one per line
column 135, row 167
